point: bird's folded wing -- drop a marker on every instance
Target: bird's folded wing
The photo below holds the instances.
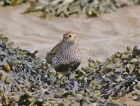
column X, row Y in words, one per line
column 53, row 52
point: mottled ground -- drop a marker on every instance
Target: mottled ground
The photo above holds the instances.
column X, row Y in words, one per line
column 98, row 37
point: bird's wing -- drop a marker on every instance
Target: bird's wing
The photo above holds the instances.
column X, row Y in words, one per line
column 53, row 52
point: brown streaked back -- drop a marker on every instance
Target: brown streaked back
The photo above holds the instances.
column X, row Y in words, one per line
column 53, row 52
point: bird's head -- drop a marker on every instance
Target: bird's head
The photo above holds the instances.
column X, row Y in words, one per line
column 70, row 37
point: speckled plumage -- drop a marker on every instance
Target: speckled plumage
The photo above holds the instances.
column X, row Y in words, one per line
column 65, row 56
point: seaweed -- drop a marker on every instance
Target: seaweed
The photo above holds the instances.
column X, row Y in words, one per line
column 25, row 79
column 11, row 2
column 70, row 8
column 77, row 8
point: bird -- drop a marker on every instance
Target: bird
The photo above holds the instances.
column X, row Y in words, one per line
column 65, row 56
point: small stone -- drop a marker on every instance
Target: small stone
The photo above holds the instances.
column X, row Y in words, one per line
column 79, row 97
column 7, row 80
column 1, row 76
column 135, row 97
column 124, row 56
column 6, row 68
column 134, row 60
column 129, row 48
column 118, row 55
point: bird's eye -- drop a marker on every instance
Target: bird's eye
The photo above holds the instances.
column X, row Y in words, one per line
column 69, row 36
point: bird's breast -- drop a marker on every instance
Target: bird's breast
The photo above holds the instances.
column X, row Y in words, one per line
column 66, row 56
